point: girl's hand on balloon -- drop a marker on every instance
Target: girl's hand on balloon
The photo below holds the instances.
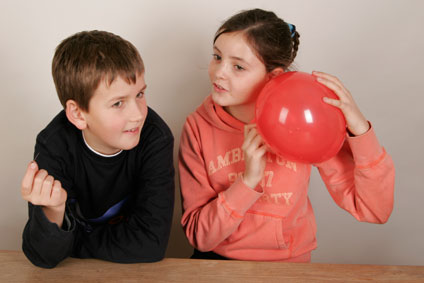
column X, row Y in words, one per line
column 254, row 156
column 357, row 124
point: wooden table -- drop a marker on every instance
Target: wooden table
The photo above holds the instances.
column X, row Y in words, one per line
column 14, row 267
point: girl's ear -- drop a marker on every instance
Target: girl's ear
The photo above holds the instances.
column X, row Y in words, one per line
column 275, row 72
column 75, row 114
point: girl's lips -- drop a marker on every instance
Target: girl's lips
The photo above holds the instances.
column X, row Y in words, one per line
column 218, row 88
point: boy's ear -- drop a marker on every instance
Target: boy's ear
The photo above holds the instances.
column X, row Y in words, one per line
column 275, row 72
column 75, row 114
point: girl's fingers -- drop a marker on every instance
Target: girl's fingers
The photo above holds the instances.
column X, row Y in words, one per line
column 355, row 120
column 335, row 102
column 339, row 90
column 332, row 83
column 256, row 141
column 262, row 150
column 252, row 141
column 249, row 136
column 247, row 128
column 328, row 77
column 253, row 144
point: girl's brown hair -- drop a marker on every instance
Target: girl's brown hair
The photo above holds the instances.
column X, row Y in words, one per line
column 275, row 44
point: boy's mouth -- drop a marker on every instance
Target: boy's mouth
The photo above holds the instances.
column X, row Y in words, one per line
column 132, row 131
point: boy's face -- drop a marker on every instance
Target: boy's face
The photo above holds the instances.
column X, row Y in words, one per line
column 116, row 115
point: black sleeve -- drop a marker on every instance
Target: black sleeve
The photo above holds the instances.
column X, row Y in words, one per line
column 43, row 242
column 143, row 235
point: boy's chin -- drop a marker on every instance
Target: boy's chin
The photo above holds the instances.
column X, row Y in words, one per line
column 131, row 146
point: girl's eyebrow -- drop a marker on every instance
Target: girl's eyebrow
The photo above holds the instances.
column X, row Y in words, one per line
column 216, row 48
column 232, row 57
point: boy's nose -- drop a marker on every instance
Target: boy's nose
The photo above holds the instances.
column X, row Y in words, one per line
column 136, row 113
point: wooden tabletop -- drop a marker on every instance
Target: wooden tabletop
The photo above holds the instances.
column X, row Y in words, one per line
column 14, row 267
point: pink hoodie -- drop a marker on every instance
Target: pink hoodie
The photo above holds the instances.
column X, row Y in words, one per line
column 275, row 221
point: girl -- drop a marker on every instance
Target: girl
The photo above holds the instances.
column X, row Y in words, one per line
column 243, row 202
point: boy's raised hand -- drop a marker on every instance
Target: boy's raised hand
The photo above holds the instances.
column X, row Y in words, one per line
column 39, row 188
column 355, row 120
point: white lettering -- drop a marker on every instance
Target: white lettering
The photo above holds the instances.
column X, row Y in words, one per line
column 211, row 168
column 287, row 197
column 223, row 162
column 277, row 196
column 236, row 155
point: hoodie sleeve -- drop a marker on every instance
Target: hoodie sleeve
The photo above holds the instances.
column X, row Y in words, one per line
column 208, row 217
column 360, row 178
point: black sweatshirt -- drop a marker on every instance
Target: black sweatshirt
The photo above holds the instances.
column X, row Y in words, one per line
column 141, row 178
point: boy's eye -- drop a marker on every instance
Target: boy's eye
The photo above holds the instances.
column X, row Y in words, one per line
column 140, row 95
column 216, row 57
column 117, row 104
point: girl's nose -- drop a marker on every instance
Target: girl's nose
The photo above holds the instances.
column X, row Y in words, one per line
column 220, row 70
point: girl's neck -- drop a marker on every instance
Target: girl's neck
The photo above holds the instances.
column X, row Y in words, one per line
column 244, row 112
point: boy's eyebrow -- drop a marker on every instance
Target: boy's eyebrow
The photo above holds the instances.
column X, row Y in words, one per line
column 232, row 57
column 124, row 96
column 143, row 88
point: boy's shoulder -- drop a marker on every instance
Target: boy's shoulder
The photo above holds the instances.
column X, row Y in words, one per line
column 154, row 125
column 58, row 131
column 61, row 136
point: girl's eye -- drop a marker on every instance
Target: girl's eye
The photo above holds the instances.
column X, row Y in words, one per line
column 216, row 57
column 117, row 104
column 238, row 67
column 140, row 95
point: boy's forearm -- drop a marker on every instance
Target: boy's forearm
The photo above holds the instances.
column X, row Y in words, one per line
column 55, row 214
column 43, row 242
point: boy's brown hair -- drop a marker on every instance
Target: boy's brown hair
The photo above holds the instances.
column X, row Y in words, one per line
column 84, row 59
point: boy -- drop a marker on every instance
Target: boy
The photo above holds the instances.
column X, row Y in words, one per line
column 102, row 182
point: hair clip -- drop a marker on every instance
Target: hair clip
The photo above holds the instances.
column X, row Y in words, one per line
column 292, row 29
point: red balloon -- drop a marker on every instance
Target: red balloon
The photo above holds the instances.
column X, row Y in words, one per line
column 295, row 122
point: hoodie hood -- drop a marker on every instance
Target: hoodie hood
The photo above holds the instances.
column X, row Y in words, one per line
column 218, row 117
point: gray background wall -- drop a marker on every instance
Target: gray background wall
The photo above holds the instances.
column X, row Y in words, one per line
column 375, row 47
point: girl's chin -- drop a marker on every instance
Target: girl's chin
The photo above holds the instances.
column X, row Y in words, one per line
column 218, row 99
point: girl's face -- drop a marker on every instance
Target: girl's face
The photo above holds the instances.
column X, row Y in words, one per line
column 237, row 75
